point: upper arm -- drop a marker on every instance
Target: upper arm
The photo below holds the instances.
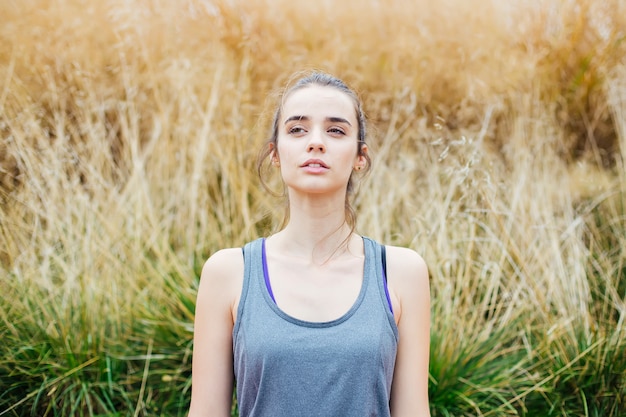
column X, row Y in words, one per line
column 409, row 282
column 212, row 365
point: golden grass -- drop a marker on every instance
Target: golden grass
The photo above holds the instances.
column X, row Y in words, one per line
column 129, row 132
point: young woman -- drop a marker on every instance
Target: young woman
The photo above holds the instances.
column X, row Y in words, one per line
column 314, row 320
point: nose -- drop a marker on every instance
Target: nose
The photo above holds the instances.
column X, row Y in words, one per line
column 316, row 142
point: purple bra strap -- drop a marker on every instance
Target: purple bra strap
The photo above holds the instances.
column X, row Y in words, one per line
column 384, row 259
column 266, row 275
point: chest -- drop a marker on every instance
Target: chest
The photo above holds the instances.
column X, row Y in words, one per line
column 313, row 293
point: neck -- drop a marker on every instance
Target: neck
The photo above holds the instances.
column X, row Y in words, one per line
column 317, row 229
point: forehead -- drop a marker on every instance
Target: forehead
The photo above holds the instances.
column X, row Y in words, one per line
column 319, row 101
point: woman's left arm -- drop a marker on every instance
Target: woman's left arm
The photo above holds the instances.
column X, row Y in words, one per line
column 409, row 285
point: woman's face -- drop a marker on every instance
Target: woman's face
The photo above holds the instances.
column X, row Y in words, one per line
column 317, row 145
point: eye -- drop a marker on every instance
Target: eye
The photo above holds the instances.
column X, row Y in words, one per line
column 337, row 131
column 296, row 130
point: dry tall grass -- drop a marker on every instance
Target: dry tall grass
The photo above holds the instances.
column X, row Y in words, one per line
column 128, row 137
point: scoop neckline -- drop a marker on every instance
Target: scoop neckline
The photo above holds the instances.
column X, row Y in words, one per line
column 317, row 324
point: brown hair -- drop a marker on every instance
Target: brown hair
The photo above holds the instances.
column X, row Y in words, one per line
column 317, row 78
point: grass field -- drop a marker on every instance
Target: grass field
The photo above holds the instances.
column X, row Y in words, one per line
column 128, row 138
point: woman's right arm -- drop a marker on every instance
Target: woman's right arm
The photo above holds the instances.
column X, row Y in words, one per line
column 212, row 363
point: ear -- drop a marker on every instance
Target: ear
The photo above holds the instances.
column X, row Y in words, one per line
column 274, row 155
column 361, row 160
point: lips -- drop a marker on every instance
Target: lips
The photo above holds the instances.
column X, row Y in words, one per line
column 314, row 163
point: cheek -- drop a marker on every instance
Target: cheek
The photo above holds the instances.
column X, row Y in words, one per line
column 284, row 153
column 352, row 153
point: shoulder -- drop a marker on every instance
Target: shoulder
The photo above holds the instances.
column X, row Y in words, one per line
column 224, row 261
column 222, row 276
column 406, row 266
column 408, row 278
column 407, row 270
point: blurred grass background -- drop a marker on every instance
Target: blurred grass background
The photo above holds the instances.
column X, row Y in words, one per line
column 128, row 134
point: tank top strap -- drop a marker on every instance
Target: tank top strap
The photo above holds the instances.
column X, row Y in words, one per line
column 251, row 262
column 375, row 250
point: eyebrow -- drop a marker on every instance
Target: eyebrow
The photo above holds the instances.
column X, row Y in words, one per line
column 330, row 119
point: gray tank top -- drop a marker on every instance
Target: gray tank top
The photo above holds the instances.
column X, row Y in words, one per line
column 286, row 367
